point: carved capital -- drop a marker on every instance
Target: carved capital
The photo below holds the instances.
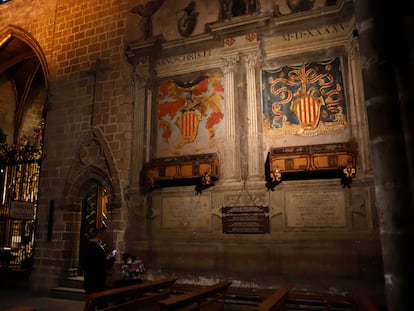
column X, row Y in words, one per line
column 140, row 79
column 353, row 48
column 229, row 63
column 252, row 60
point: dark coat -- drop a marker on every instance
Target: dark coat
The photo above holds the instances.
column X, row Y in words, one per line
column 94, row 264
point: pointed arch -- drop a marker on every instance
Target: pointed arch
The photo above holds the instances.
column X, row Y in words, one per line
column 99, row 165
column 15, row 39
column 22, row 58
column 94, row 164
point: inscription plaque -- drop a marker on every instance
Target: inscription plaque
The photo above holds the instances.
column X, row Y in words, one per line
column 245, row 219
column 186, row 213
column 315, row 209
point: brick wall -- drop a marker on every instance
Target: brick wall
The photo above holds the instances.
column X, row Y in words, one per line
column 82, row 43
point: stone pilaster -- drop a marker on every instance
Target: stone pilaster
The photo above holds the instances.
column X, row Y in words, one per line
column 136, row 215
column 231, row 161
column 358, row 114
column 141, row 124
column 253, row 137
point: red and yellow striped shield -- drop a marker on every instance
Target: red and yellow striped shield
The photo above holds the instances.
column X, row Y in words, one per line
column 307, row 109
column 188, row 125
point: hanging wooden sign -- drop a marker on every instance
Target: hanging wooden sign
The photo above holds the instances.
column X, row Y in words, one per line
column 245, row 219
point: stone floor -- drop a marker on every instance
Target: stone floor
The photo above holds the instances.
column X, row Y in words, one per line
column 40, row 302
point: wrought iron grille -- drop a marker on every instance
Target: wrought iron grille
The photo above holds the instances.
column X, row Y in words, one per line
column 19, row 184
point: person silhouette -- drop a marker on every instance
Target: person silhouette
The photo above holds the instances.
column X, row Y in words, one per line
column 95, row 261
column 132, row 270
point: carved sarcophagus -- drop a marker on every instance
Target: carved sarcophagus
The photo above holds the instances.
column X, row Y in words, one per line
column 314, row 161
column 201, row 170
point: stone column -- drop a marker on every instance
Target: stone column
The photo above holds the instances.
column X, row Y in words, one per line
column 383, row 59
column 253, row 137
column 358, row 113
column 231, row 161
column 136, row 215
column 141, row 122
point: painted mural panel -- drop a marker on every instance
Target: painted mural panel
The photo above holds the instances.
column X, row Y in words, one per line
column 190, row 116
column 306, row 99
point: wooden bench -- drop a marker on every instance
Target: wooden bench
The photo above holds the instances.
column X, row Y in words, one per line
column 246, row 297
column 204, row 298
column 317, row 301
column 23, row 308
column 129, row 297
column 276, row 301
column 363, row 302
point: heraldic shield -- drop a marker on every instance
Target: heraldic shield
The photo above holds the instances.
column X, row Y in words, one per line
column 307, row 110
column 188, row 124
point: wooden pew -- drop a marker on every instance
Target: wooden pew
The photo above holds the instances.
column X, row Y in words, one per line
column 246, row 297
column 129, row 297
column 276, row 301
column 204, row 298
column 317, row 301
column 23, row 308
column 363, row 302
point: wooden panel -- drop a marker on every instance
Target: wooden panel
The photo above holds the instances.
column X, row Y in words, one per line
column 291, row 163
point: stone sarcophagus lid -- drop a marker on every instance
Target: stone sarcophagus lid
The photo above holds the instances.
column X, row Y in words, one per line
column 336, row 160
column 201, row 170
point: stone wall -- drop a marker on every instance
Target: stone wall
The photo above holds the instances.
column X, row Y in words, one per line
column 102, row 123
column 322, row 235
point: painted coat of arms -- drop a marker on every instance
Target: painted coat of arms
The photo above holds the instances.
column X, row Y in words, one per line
column 307, row 99
column 190, row 115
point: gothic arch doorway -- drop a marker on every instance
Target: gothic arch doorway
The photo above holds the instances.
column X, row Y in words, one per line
column 92, row 196
column 94, row 212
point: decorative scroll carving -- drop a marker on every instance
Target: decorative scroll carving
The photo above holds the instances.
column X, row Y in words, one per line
column 200, row 170
column 314, row 161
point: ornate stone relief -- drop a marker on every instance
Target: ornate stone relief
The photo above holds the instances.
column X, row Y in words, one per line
column 234, row 8
column 229, row 63
column 146, row 11
column 187, row 22
column 90, row 153
column 296, row 6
